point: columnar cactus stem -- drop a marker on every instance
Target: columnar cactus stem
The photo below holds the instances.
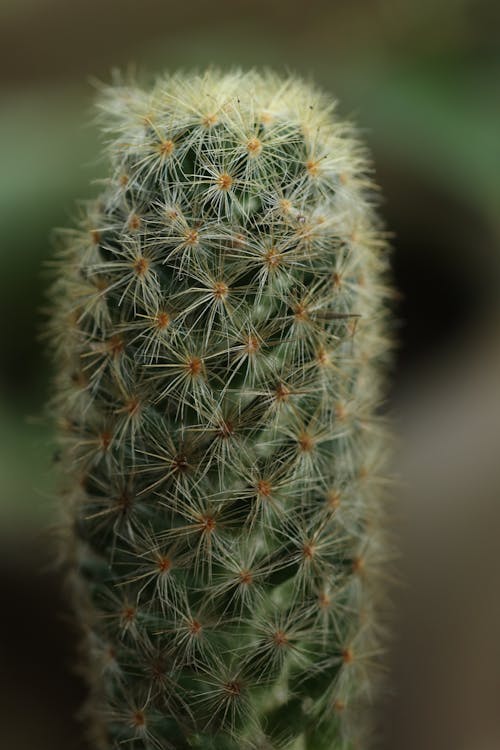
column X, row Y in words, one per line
column 220, row 337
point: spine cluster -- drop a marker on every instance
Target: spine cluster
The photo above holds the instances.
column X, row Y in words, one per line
column 219, row 330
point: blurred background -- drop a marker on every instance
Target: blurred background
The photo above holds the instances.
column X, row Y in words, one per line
column 423, row 81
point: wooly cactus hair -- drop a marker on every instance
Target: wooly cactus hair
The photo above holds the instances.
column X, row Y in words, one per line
column 220, row 333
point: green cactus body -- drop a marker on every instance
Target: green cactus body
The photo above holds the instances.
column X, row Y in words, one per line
column 220, row 338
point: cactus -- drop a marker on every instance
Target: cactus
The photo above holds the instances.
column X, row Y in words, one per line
column 220, row 335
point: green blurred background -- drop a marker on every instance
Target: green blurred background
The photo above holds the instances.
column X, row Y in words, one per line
column 422, row 79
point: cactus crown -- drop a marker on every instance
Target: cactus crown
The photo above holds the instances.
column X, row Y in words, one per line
column 219, row 332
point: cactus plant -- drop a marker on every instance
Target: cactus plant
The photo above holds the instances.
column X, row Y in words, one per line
column 220, row 335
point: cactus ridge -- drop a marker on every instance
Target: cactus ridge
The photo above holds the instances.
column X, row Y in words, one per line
column 220, row 333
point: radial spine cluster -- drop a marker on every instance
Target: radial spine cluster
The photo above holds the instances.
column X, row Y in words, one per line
column 220, row 336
